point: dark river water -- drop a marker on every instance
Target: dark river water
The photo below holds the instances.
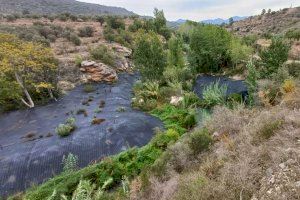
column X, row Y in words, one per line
column 25, row 160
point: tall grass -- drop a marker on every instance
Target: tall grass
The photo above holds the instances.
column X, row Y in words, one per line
column 214, row 94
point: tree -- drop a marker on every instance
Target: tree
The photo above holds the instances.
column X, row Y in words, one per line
column 251, row 81
column 27, row 65
column 274, row 56
column 209, row 48
column 175, row 52
column 100, row 19
column 239, row 52
column 263, row 12
column 160, row 24
column 269, row 11
column 149, row 56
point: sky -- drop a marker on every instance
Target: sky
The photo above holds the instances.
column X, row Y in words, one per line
column 198, row 10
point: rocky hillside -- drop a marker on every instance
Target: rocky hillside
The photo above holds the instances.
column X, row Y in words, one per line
column 58, row 6
column 273, row 22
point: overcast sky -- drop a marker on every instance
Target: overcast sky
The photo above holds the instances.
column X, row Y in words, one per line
column 199, row 9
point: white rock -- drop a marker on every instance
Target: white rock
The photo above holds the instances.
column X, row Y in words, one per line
column 175, row 100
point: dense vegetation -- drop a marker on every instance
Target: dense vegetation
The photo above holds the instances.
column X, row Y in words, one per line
column 27, row 73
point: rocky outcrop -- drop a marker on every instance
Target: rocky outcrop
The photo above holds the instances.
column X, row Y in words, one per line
column 97, row 72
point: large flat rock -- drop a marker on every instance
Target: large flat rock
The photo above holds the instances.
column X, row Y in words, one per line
column 24, row 163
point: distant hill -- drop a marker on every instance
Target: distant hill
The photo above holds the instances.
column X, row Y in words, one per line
column 59, row 6
column 274, row 22
column 220, row 21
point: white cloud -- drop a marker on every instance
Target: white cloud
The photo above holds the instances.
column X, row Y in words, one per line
column 199, row 9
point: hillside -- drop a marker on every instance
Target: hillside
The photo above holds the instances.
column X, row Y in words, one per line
column 274, row 22
column 59, row 6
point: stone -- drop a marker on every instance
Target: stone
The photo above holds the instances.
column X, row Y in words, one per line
column 98, row 72
column 175, row 100
column 65, row 85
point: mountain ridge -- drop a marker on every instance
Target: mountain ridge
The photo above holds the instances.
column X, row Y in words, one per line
column 60, row 6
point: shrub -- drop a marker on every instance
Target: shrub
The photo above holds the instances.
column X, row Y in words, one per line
column 86, row 31
column 289, row 86
column 88, row 88
column 251, row 81
column 70, row 163
column 200, row 140
column 268, row 129
column 115, row 22
column 209, row 48
column 214, row 94
column 274, row 57
column 104, row 54
column 75, row 39
column 78, row 60
column 149, row 56
column 65, row 129
column 162, row 139
column 175, row 118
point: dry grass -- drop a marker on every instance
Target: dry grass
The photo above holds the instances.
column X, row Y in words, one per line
column 256, row 157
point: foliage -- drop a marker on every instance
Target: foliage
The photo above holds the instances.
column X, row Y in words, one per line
column 238, row 51
column 293, row 34
column 115, row 22
column 29, row 67
column 175, row 53
column 64, row 130
column 200, row 140
column 160, row 24
column 136, row 25
column 289, row 86
column 249, row 40
column 88, row 88
column 274, row 57
column 75, row 39
column 70, row 163
column 104, row 54
column 251, row 81
column 178, row 119
column 149, row 56
column 268, row 129
column 162, row 139
column 209, row 48
column 214, row 94
column 86, row 31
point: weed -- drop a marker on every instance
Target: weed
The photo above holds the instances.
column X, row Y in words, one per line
column 200, row 140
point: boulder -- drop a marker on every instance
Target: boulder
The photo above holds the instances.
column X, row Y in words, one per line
column 98, row 72
column 126, row 52
column 65, row 85
column 175, row 100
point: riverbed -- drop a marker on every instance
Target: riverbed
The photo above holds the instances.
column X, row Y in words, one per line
column 31, row 152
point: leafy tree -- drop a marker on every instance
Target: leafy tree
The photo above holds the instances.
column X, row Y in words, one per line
column 269, row 11
column 274, row 56
column 160, row 24
column 100, row 19
column 238, row 51
column 149, row 56
column 209, row 48
column 175, row 53
column 29, row 68
column 115, row 22
column 263, row 12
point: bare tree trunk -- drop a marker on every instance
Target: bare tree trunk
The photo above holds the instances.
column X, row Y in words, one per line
column 51, row 94
column 30, row 104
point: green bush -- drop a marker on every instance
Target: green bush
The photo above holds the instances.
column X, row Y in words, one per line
column 268, row 129
column 115, row 22
column 104, row 54
column 75, row 39
column 209, row 48
column 66, row 129
column 162, row 139
column 214, row 94
column 149, row 56
column 86, row 31
column 178, row 119
column 70, row 163
column 200, row 140
column 88, row 88
column 274, row 57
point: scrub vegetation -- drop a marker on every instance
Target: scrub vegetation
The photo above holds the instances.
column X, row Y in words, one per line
column 214, row 147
